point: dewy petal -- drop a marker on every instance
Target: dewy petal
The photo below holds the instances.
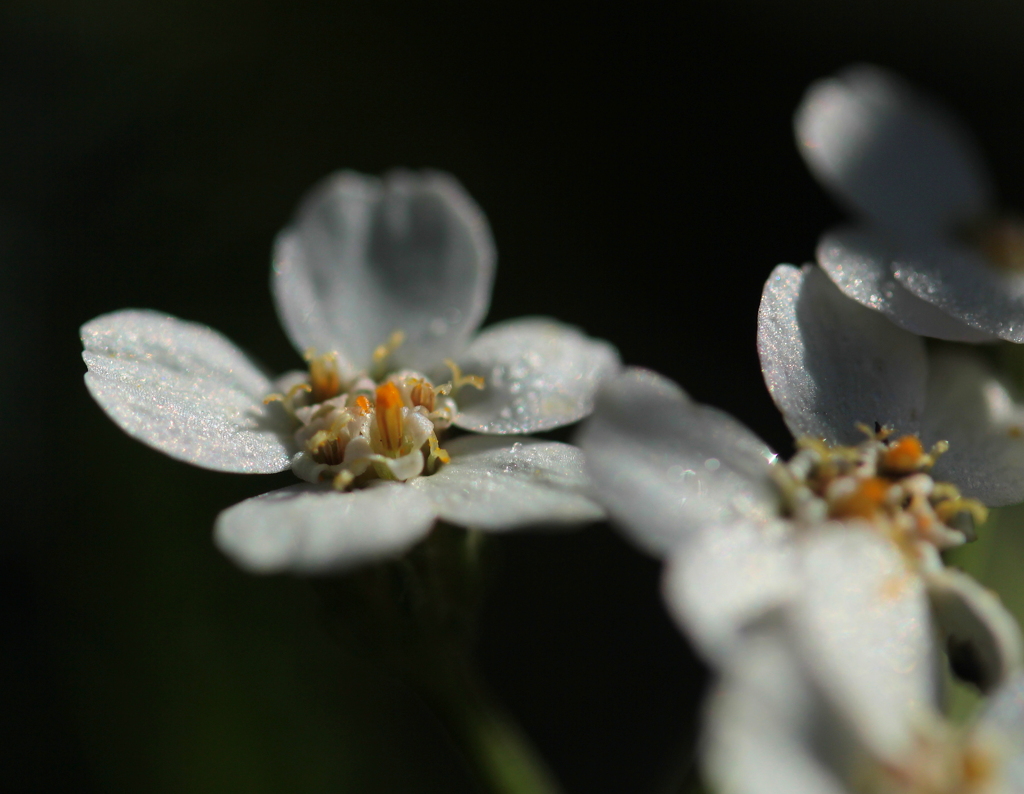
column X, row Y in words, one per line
column 185, row 390
column 968, row 406
column 890, row 154
column 859, row 262
column 365, row 257
column 764, row 726
column 316, row 529
column 959, row 281
column 538, row 374
column 863, row 626
column 499, row 484
column 726, row 577
column 982, row 639
column 664, row 466
column 830, row 363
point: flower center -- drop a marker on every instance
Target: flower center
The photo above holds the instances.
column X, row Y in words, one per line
column 884, row 481
column 351, row 429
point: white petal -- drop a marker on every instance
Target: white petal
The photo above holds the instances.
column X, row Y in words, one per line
column 365, row 257
column 889, row 153
column 864, row 628
column 982, row 638
column 1002, row 720
column 726, row 577
column 538, row 374
column 498, row 484
column 315, row 529
column 664, row 466
column 185, row 390
column 960, row 282
column 764, row 727
column 860, row 262
column 830, row 363
column 969, row 407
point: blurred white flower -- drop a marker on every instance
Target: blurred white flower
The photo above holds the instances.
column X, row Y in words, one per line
column 382, row 283
column 778, row 724
column 739, row 528
column 931, row 253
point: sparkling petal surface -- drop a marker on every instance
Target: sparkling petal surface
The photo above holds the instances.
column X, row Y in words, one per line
column 890, row 154
column 830, row 363
column 315, row 529
column 981, row 636
column 726, row 577
column 968, row 406
column 758, row 737
column 499, row 484
column 859, row 262
column 665, row 466
column 365, row 257
column 960, row 282
column 538, row 374
column 863, row 627
column 185, row 390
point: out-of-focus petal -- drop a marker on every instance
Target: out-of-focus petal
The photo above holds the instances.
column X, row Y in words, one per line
column 959, row 281
column 859, row 262
column 864, row 629
column 727, row 576
column 499, row 484
column 830, row 363
column 310, row 529
column 365, row 257
column 889, row 153
column 764, row 725
column 185, row 390
column 538, row 374
column 968, row 406
column 982, row 638
column 1002, row 720
column 664, row 466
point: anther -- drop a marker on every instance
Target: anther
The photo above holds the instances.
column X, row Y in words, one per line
column 389, row 417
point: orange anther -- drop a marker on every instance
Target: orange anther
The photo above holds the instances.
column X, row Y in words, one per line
column 389, row 416
column 363, row 404
column 904, row 455
column 864, row 502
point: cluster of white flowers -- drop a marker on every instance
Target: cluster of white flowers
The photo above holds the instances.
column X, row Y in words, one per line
column 815, row 588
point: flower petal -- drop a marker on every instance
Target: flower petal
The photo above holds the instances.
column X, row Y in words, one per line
column 499, row 484
column 958, row 280
column 538, row 374
column 185, row 390
column 863, row 626
column 982, row 638
column 727, row 576
column 664, row 466
column 889, row 153
column 764, row 727
column 1003, row 720
column 968, row 406
column 366, row 257
column 316, row 529
column 830, row 363
column 859, row 262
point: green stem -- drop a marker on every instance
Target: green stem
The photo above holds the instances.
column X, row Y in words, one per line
column 501, row 757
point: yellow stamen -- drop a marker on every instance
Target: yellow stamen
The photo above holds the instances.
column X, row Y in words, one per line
column 324, row 376
column 459, row 380
column 904, row 456
column 389, row 417
column 383, row 352
column 422, row 393
column 287, row 398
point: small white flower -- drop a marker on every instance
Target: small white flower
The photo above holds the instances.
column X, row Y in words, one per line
column 739, row 528
column 382, row 282
column 777, row 725
column 933, row 254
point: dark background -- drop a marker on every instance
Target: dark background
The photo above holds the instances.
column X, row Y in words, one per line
column 637, row 166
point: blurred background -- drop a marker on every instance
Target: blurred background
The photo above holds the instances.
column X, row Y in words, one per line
column 637, row 166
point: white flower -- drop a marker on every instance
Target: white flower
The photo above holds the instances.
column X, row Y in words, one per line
column 932, row 254
column 777, row 724
column 382, row 283
column 739, row 528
